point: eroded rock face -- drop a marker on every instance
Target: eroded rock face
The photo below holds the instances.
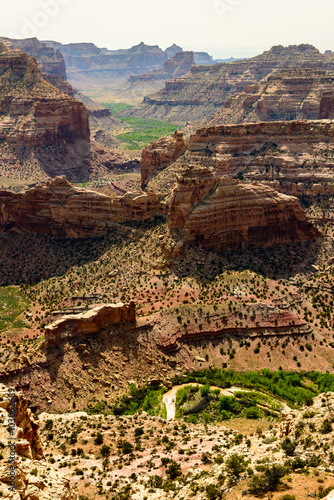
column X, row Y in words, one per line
column 32, row 111
column 159, row 154
column 327, row 106
column 89, row 322
column 60, row 209
column 291, row 94
column 197, row 96
column 292, row 156
column 222, row 214
column 50, row 61
column 29, row 455
column 174, row 67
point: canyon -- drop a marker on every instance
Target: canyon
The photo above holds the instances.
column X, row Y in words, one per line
column 197, row 96
column 290, row 94
column 294, row 157
column 44, row 132
column 88, row 64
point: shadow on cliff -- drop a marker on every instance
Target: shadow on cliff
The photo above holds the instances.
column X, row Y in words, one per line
column 281, row 262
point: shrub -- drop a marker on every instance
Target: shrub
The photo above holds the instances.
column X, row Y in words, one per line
column 289, row 446
column 269, row 480
column 99, row 439
column 252, row 412
column 235, row 466
column 213, row 492
column 174, row 470
column 326, row 427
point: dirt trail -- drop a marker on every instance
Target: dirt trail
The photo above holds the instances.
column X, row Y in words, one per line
column 169, row 397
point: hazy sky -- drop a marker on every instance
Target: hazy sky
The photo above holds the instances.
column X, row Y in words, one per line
column 223, row 28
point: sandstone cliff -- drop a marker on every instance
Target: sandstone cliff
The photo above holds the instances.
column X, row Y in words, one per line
column 290, row 94
column 32, row 111
column 196, row 96
column 69, row 212
column 293, row 156
column 50, row 61
column 29, row 456
column 160, row 154
column 326, row 111
column 222, row 214
column 92, row 321
column 43, row 132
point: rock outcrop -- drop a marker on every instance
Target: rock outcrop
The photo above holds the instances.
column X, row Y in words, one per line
column 326, row 111
column 92, row 321
column 196, row 96
column 25, row 482
column 290, row 94
column 292, row 156
column 160, row 154
column 49, row 60
column 32, row 111
column 222, row 214
column 176, row 66
column 60, row 209
column 44, row 132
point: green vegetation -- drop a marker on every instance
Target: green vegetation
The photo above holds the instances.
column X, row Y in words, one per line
column 297, row 388
column 145, row 399
column 200, row 403
column 143, row 131
column 116, row 107
column 12, row 304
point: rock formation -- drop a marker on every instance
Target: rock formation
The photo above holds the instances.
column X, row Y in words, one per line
column 44, row 132
column 33, row 112
column 60, row 209
column 290, row 94
column 88, row 64
column 29, row 455
column 49, row 60
column 176, row 66
column 92, row 321
column 196, row 96
column 222, row 214
column 160, row 154
column 327, row 106
column 292, row 156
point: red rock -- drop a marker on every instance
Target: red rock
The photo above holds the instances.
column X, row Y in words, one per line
column 60, row 209
column 159, row 154
column 326, row 111
column 93, row 321
column 222, row 214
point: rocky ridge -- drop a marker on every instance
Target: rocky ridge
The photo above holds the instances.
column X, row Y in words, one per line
column 196, row 96
column 223, row 214
column 44, row 132
column 60, row 209
column 92, row 321
column 34, row 477
column 49, row 60
column 294, row 157
column 290, row 94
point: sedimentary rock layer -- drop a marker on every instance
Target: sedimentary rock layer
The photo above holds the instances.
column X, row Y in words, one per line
column 50, row 61
column 198, row 95
column 29, row 454
column 32, row 111
column 89, row 322
column 327, row 106
column 223, row 214
column 159, row 154
column 291, row 94
column 60, row 209
column 292, row 156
